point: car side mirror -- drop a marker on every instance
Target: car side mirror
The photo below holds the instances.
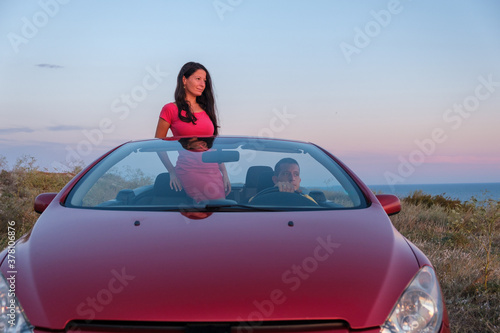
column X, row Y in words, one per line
column 43, row 200
column 390, row 203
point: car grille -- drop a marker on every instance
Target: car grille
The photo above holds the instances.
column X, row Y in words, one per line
column 261, row 327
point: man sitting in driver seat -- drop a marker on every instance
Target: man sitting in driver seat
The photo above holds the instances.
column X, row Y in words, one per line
column 287, row 177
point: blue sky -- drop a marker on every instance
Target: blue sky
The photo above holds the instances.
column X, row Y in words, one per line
column 402, row 91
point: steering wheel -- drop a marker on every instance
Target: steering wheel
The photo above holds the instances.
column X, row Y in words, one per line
column 272, row 196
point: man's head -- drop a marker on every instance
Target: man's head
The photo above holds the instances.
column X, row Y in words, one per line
column 287, row 170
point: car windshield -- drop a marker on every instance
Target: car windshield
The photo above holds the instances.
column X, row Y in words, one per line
column 216, row 174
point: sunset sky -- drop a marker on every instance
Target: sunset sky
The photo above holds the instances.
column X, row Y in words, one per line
column 404, row 92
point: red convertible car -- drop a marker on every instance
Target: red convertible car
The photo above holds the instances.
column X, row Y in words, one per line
column 224, row 234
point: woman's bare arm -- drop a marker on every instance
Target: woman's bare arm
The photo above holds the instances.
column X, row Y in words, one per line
column 161, row 132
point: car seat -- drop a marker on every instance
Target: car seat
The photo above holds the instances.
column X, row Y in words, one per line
column 252, row 180
column 163, row 194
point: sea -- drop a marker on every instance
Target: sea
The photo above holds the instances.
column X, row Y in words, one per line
column 463, row 192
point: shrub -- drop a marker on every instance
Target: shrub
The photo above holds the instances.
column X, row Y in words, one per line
column 420, row 198
column 18, row 189
column 481, row 222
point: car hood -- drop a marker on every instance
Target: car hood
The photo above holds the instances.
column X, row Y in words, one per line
column 83, row 264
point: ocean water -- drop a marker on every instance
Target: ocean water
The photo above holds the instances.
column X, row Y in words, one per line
column 463, row 192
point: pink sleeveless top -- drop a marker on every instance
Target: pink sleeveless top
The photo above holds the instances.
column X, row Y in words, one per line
column 204, row 125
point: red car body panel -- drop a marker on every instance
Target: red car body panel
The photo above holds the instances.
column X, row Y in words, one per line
column 222, row 268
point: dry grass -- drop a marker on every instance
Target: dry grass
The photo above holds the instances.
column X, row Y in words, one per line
column 454, row 236
column 459, row 258
column 18, row 189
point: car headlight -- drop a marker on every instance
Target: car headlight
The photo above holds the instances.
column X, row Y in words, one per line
column 420, row 307
column 12, row 318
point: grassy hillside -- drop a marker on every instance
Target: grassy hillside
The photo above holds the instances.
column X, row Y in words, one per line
column 463, row 243
column 461, row 240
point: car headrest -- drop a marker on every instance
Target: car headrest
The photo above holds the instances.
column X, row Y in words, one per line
column 253, row 174
column 162, row 187
column 265, row 180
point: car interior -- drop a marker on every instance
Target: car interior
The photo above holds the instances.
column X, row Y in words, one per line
column 258, row 188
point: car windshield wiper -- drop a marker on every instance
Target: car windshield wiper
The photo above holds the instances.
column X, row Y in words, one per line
column 232, row 206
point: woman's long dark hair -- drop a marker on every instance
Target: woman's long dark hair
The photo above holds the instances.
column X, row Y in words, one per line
column 206, row 100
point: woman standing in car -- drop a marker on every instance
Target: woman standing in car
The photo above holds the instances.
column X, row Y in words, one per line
column 193, row 113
